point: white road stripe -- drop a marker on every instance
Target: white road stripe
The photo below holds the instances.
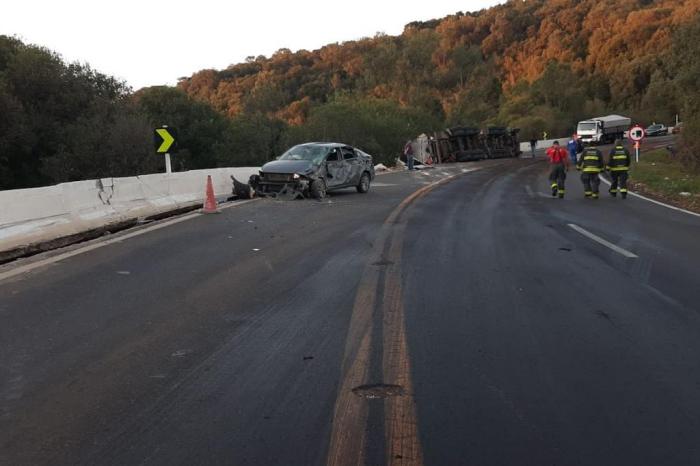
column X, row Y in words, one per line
column 91, row 247
column 602, row 241
column 655, row 202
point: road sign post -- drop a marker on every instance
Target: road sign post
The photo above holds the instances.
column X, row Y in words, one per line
column 637, row 134
column 165, row 142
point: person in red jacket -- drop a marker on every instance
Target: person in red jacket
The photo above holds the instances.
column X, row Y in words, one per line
column 559, row 161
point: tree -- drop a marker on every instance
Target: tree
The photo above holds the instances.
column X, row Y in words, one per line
column 686, row 62
column 378, row 126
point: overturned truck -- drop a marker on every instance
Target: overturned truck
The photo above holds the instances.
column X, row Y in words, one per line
column 463, row 144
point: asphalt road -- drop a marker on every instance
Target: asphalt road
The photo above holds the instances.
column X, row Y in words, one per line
column 458, row 316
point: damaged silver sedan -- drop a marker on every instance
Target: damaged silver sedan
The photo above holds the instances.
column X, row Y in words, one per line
column 313, row 169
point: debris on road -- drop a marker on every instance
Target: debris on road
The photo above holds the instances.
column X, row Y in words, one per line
column 242, row 190
column 378, row 390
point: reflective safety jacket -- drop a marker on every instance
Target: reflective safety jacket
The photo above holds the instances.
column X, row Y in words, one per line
column 591, row 161
column 619, row 160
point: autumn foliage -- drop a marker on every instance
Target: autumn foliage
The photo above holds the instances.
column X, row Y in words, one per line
column 537, row 63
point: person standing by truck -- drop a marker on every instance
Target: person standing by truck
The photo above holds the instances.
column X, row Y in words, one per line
column 559, row 163
column 591, row 164
column 533, row 146
column 408, row 152
column 618, row 165
column 573, row 147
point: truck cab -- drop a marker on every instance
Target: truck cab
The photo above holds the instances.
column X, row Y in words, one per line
column 602, row 130
column 590, row 131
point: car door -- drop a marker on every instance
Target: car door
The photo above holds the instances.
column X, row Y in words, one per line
column 353, row 165
column 335, row 168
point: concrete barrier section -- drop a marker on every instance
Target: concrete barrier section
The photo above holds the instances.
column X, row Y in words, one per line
column 542, row 144
column 32, row 216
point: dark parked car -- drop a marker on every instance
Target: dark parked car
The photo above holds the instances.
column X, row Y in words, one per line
column 314, row 168
column 656, row 130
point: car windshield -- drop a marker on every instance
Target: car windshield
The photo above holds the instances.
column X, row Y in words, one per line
column 311, row 152
column 654, row 127
column 586, row 126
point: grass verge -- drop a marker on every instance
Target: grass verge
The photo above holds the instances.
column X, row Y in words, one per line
column 663, row 177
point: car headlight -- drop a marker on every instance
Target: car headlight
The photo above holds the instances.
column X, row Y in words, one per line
column 296, row 176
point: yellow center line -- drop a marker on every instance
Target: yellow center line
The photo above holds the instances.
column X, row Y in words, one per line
column 401, row 424
column 347, row 445
column 348, row 437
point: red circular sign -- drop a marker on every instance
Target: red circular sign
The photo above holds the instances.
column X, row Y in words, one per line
column 637, row 133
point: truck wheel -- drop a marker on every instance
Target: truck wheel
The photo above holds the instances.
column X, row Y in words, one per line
column 363, row 185
column 318, row 188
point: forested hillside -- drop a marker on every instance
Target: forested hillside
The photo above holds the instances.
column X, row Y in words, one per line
column 540, row 65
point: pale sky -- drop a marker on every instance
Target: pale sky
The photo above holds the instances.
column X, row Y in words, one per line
column 148, row 42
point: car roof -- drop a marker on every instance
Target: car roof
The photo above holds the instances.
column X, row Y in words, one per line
column 333, row 144
column 325, row 144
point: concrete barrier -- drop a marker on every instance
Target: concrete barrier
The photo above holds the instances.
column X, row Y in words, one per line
column 543, row 144
column 36, row 215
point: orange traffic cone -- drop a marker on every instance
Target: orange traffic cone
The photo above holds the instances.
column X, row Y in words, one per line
column 209, row 206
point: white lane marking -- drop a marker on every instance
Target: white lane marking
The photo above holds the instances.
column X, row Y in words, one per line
column 529, row 192
column 382, row 185
column 92, row 247
column 695, row 214
column 602, row 241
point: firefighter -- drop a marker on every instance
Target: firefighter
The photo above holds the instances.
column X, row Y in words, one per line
column 559, row 162
column 591, row 163
column 618, row 165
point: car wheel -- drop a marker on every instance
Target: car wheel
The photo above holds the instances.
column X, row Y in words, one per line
column 318, row 188
column 363, row 185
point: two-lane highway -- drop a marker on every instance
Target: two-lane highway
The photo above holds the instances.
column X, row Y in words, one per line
column 457, row 316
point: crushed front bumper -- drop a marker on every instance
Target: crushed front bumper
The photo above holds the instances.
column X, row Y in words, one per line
column 276, row 185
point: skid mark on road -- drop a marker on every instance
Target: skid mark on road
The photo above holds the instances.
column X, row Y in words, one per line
column 383, row 272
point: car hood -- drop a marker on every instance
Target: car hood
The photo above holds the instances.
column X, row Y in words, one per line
column 288, row 166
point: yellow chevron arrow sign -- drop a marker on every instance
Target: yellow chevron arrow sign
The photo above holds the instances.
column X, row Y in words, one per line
column 164, row 140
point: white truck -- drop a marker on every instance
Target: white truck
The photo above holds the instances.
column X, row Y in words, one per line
column 602, row 130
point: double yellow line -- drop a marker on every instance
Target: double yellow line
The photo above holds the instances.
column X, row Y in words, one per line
column 349, row 436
